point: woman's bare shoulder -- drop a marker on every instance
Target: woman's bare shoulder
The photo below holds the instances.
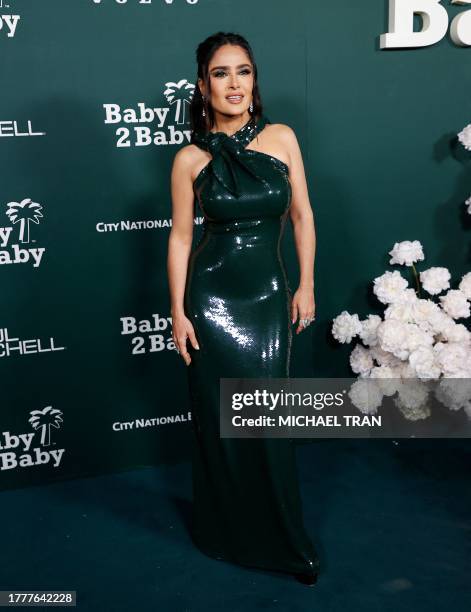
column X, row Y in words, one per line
column 189, row 159
column 187, row 155
column 281, row 131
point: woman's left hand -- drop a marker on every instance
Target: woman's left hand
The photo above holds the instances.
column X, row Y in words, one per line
column 303, row 305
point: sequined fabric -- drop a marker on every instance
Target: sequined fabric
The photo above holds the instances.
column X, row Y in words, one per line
column 229, row 156
column 246, row 500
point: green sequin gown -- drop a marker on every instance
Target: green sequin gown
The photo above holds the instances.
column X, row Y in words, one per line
column 247, row 507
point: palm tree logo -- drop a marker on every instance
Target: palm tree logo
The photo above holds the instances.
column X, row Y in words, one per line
column 180, row 94
column 24, row 212
column 44, row 420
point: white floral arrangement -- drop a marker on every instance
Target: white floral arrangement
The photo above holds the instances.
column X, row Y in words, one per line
column 417, row 339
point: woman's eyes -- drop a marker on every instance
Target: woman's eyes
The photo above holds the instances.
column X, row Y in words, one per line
column 223, row 72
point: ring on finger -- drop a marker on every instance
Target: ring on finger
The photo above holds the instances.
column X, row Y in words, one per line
column 306, row 322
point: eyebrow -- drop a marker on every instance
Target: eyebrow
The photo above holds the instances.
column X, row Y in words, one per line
column 239, row 66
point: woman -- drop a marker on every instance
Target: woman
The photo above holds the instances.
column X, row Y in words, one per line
column 232, row 307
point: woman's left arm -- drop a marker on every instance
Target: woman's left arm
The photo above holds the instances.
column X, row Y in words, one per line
column 302, row 218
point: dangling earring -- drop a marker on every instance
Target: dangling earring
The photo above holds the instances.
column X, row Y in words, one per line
column 203, row 113
column 251, row 107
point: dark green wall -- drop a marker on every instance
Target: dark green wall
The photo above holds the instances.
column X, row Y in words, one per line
column 377, row 130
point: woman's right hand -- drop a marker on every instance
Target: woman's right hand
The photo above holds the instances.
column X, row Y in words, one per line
column 182, row 329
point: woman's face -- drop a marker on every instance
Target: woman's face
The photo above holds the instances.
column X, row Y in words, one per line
column 230, row 75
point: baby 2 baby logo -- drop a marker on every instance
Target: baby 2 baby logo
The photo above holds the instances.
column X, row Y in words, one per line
column 8, row 21
column 21, row 214
column 142, row 337
column 157, row 125
column 33, row 448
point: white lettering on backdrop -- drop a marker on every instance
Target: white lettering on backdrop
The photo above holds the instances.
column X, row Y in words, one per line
column 434, row 24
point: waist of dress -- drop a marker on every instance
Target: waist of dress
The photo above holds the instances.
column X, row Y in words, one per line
column 243, row 224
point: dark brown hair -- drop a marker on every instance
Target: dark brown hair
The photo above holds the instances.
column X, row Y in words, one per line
column 204, row 53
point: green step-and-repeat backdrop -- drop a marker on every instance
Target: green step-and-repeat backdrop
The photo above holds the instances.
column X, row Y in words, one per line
column 93, row 107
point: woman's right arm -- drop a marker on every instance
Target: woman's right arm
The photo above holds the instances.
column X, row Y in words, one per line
column 179, row 249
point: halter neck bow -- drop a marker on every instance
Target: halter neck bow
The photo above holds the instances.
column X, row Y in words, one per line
column 229, row 155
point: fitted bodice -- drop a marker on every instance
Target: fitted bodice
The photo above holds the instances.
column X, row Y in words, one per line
column 239, row 183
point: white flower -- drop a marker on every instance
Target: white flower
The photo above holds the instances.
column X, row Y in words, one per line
column 384, row 358
column 400, row 311
column 406, row 252
column 365, row 395
column 454, row 303
column 454, row 359
column 455, row 332
column 412, row 412
column 440, row 323
column 426, row 314
column 408, row 296
column 386, row 378
column 407, row 371
column 435, row 280
column 346, row 326
column 389, row 287
column 392, row 337
column 412, row 399
column 465, row 137
column 468, row 204
column 417, row 337
column 361, row 361
column 422, row 360
column 453, row 393
column 465, row 283
column 368, row 330
column 421, row 357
